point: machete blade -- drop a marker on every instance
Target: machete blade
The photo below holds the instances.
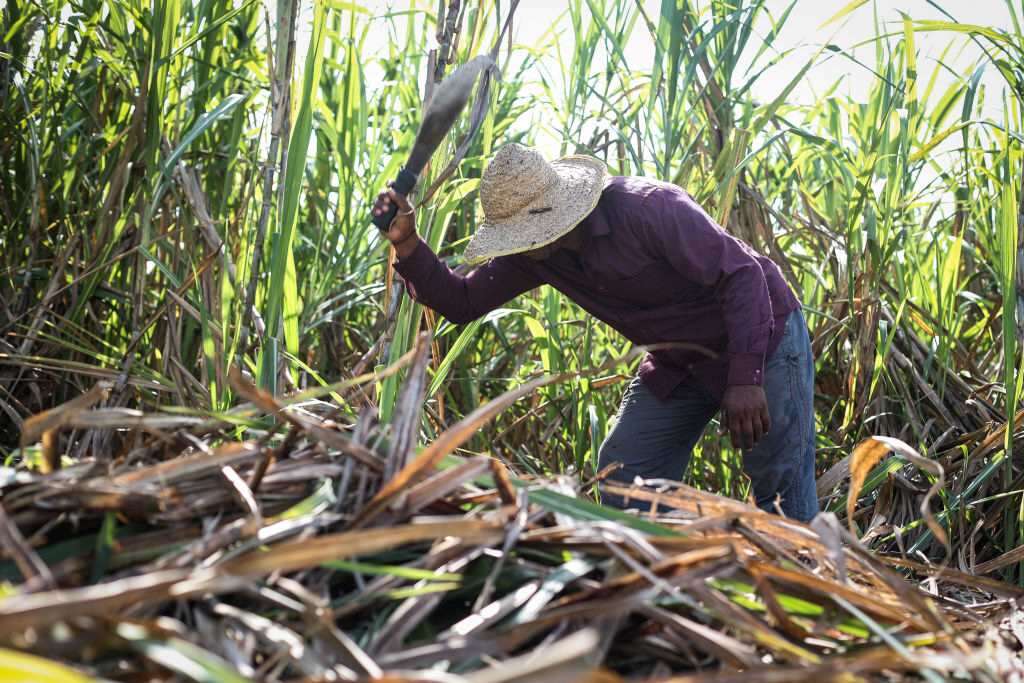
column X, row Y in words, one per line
column 445, row 105
column 444, row 108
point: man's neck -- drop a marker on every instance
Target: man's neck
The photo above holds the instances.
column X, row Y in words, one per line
column 573, row 241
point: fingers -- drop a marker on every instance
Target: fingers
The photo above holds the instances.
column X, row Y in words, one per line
column 766, row 421
column 737, row 429
column 400, row 200
column 746, row 429
column 388, row 197
column 747, row 435
column 746, row 413
column 761, row 423
column 383, row 203
column 756, row 429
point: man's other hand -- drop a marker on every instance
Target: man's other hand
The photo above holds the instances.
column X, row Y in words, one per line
column 746, row 415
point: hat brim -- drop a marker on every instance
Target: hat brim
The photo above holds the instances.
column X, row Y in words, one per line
column 552, row 215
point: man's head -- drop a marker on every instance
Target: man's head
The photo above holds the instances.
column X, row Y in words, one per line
column 530, row 204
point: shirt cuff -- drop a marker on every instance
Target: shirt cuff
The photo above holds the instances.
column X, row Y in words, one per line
column 746, row 369
column 417, row 263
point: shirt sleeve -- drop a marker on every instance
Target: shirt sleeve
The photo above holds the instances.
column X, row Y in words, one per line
column 702, row 252
column 458, row 298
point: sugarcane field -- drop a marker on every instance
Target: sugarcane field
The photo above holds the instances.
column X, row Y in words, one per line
column 525, row 341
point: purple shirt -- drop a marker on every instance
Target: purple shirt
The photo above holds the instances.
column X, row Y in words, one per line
column 653, row 266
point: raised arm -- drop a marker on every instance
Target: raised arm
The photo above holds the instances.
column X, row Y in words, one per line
column 458, row 298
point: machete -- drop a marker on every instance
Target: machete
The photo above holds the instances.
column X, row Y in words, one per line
column 444, row 108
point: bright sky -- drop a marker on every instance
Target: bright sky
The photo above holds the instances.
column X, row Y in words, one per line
column 803, row 33
column 803, row 30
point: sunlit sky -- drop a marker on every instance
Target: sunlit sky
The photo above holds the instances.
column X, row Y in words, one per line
column 803, row 34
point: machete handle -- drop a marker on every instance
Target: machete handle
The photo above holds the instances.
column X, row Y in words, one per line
column 403, row 185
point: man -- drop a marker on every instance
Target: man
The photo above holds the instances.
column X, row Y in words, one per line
column 643, row 257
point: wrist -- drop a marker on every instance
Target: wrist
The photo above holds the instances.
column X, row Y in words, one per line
column 745, row 369
column 405, row 246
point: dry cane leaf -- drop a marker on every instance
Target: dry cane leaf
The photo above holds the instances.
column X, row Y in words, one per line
column 37, row 610
column 871, row 451
column 44, row 424
column 28, row 562
column 568, row 659
column 865, row 456
column 267, row 402
column 503, row 482
column 935, row 468
column 879, row 605
column 302, row 554
column 35, row 426
column 451, row 439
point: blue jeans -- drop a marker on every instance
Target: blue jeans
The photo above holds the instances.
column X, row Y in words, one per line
column 654, row 439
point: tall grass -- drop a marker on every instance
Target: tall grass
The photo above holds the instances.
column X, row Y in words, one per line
column 184, row 189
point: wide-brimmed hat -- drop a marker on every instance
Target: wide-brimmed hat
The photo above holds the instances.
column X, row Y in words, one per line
column 529, row 202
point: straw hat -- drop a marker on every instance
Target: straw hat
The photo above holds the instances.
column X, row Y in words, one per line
column 529, row 203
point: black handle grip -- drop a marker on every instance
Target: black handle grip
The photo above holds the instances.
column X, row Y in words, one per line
column 403, row 185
